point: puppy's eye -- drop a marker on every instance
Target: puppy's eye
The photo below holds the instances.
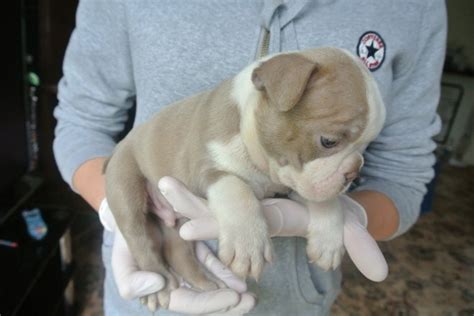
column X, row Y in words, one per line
column 328, row 143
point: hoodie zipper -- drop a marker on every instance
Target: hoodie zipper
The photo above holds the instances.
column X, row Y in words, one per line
column 264, row 46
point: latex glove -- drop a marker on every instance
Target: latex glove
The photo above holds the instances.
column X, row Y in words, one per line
column 284, row 218
column 133, row 283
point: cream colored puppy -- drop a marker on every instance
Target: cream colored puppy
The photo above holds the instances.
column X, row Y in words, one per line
column 293, row 122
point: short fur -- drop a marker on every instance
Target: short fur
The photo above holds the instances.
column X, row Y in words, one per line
column 251, row 137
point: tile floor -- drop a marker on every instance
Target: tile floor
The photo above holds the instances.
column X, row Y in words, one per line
column 431, row 267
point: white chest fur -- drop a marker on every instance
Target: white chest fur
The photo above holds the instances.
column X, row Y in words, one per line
column 233, row 157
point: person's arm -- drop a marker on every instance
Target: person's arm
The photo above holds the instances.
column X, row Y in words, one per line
column 381, row 225
column 399, row 163
column 95, row 93
column 89, row 182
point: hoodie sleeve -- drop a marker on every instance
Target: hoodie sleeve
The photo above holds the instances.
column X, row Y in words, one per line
column 97, row 86
column 399, row 163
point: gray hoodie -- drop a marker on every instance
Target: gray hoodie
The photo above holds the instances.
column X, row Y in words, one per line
column 153, row 53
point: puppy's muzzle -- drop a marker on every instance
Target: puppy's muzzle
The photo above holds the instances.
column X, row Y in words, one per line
column 351, row 167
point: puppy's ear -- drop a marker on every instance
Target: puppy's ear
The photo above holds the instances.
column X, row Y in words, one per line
column 284, row 78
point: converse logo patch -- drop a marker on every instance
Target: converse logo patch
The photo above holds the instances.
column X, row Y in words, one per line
column 371, row 49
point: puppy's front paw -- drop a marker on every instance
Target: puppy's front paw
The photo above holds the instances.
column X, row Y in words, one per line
column 325, row 245
column 245, row 247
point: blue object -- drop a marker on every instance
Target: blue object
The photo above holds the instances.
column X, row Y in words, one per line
column 37, row 228
column 427, row 204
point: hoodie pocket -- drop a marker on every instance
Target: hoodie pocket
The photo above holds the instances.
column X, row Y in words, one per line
column 315, row 285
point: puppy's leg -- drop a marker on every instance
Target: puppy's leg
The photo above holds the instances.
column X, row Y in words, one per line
column 325, row 239
column 244, row 241
column 181, row 257
column 127, row 198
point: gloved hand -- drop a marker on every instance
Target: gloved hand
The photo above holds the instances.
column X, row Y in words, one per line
column 133, row 283
column 284, row 218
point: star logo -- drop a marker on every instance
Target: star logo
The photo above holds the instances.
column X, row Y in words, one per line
column 371, row 50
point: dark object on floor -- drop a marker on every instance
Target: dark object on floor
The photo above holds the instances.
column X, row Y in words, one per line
column 427, row 204
column 34, row 273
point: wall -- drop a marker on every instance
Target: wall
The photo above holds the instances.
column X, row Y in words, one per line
column 460, row 58
column 460, row 31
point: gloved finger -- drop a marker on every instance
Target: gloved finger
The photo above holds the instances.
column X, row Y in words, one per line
column 139, row 283
column 216, row 267
column 181, row 199
column 286, row 217
column 363, row 250
column 160, row 206
column 246, row 304
column 106, row 217
column 204, row 228
column 131, row 282
column 188, row 301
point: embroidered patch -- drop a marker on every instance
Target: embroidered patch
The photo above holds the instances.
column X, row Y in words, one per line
column 371, row 49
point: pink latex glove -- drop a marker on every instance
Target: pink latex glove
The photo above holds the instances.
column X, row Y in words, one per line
column 284, row 218
column 133, row 283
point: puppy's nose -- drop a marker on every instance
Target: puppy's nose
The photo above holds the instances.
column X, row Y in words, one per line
column 350, row 176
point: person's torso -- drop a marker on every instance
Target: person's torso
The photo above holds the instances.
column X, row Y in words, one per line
column 182, row 47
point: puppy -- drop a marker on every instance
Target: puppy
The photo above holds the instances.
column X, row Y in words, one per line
column 293, row 122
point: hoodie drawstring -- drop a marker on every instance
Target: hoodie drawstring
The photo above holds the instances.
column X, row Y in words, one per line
column 277, row 18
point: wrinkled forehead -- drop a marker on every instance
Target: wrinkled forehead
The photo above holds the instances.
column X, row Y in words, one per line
column 335, row 97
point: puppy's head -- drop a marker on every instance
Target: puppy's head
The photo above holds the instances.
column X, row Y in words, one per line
column 314, row 113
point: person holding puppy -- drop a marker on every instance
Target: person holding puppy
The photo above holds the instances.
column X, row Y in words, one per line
column 153, row 54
